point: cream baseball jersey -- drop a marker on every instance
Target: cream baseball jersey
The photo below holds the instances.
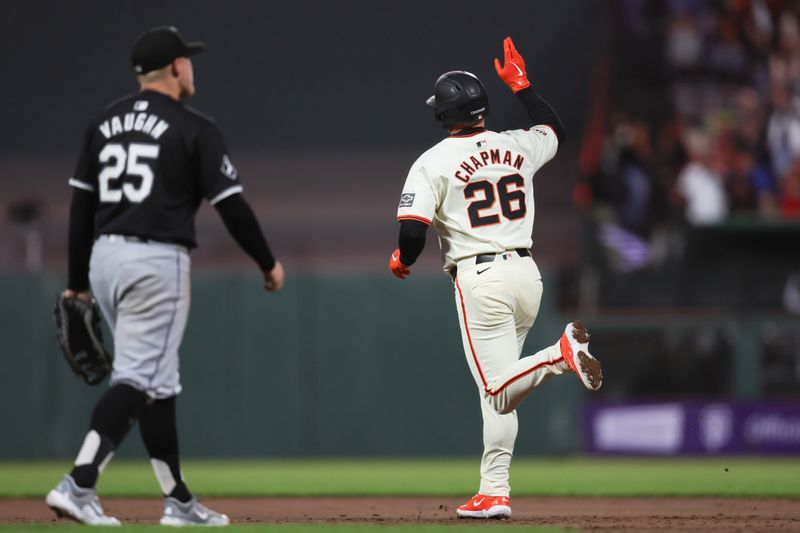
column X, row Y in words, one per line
column 476, row 190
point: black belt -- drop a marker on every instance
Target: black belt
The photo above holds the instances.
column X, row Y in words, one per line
column 488, row 258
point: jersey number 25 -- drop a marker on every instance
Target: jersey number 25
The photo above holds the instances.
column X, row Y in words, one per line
column 510, row 190
column 118, row 161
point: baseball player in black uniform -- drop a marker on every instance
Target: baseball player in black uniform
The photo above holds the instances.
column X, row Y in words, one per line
column 146, row 164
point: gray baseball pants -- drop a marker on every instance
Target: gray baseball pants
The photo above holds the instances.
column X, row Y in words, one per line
column 143, row 291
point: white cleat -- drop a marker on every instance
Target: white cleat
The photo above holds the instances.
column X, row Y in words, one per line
column 68, row 500
column 191, row 513
column 574, row 346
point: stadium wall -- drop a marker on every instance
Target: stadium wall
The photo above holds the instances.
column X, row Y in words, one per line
column 332, row 366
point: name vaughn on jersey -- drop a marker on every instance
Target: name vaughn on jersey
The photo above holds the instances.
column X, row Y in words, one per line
column 487, row 157
column 147, row 123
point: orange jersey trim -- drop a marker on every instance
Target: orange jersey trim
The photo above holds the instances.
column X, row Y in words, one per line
column 414, row 217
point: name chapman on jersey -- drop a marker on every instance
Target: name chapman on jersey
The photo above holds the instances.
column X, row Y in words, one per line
column 147, row 123
column 488, row 157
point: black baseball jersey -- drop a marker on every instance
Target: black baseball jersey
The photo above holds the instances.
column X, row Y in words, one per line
column 150, row 161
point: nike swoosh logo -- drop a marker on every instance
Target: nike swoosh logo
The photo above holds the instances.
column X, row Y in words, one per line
column 479, row 273
column 518, row 69
column 202, row 515
column 395, row 257
column 478, row 502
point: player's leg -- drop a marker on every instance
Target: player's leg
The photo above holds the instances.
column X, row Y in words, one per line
column 75, row 495
column 525, row 313
column 573, row 346
column 166, row 324
column 570, row 354
column 152, row 328
column 529, row 299
column 117, row 410
column 490, row 344
column 508, row 390
column 159, row 431
column 151, row 318
column 499, row 435
column 487, row 325
column 519, row 379
column 491, row 308
column 114, row 414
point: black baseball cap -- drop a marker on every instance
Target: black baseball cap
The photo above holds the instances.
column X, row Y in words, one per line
column 158, row 47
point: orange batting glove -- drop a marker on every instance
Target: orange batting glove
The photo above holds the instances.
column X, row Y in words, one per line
column 513, row 72
column 398, row 269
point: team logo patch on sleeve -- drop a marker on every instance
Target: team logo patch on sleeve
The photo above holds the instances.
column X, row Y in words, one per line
column 407, row 199
column 227, row 168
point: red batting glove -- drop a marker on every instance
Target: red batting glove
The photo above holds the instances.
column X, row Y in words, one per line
column 513, row 72
column 398, row 268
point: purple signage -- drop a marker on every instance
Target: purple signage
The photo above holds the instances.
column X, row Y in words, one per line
column 693, row 428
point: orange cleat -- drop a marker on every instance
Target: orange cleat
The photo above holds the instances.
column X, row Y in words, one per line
column 574, row 346
column 481, row 506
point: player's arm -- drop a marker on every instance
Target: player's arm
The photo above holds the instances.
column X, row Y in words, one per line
column 81, row 236
column 513, row 74
column 411, row 242
column 417, row 206
column 81, row 221
column 243, row 226
column 220, row 184
column 540, row 112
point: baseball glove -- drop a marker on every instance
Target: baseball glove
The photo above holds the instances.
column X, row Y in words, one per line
column 81, row 339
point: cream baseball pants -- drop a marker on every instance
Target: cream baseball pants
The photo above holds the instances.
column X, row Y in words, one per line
column 497, row 304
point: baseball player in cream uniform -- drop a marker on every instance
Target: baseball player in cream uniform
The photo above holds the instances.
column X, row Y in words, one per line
column 475, row 188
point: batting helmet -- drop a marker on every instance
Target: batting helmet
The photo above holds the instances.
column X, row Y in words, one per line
column 459, row 98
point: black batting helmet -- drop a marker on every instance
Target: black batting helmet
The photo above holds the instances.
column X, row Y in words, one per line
column 459, row 98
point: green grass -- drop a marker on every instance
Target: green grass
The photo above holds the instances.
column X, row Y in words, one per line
column 740, row 477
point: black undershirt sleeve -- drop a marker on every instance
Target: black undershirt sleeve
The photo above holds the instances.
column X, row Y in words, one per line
column 81, row 238
column 412, row 240
column 540, row 112
column 243, row 226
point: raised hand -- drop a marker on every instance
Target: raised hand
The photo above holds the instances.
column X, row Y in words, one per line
column 513, row 71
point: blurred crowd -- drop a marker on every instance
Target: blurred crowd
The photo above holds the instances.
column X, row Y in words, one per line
column 702, row 119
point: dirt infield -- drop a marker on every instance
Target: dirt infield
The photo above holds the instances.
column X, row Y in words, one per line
column 695, row 514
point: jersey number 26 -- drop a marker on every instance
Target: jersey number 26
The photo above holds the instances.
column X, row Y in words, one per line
column 118, row 161
column 510, row 190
